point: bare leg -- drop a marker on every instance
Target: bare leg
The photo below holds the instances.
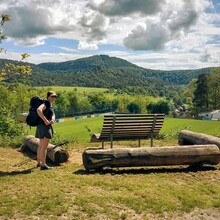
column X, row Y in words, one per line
column 43, row 153
column 39, row 152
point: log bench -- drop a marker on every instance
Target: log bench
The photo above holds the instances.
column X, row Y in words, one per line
column 151, row 156
column 55, row 153
column 189, row 138
column 119, row 127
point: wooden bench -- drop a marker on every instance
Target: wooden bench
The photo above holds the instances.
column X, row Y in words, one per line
column 119, row 127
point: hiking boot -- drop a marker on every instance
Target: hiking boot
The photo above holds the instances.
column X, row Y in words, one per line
column 38, row 165
column 45, row 167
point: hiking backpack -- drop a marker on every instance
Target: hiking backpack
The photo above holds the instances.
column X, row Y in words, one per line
column 33, row 118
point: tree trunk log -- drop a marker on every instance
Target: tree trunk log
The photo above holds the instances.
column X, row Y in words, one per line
column 148, row 156
column 56, row 154
column 189, row 138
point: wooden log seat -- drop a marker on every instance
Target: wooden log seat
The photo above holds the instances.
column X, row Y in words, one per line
column 151, row 156
column 188, row 137
column 55, row 153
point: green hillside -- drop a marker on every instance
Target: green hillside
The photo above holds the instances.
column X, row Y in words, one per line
column 85, row 64
column 107, row 72
column 105, row 62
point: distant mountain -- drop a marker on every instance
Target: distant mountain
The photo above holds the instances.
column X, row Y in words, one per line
column 105, row 71
column 85, row 64
column 105, row 62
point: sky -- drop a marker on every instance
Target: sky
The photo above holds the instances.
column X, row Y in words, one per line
column 154, row 34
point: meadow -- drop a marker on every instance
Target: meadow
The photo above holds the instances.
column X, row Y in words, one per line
column 69, row 192
column 74, row 88
column 79, row 131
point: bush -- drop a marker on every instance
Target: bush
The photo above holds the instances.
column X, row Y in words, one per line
column 134, row 108
column 9, row 126
column 159, row 107
column 11, row 130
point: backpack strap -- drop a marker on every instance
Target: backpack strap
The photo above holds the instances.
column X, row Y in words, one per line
column 52, row 130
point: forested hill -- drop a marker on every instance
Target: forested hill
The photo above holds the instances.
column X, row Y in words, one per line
column 105, row 71
column 105, row 62
column 85, row 64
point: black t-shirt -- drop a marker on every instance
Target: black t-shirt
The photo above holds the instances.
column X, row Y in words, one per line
column 48, row 112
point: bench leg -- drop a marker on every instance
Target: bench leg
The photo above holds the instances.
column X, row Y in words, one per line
column 111, row 143
column 139, row 143
column 111, row 139
column 151, row 141
column 102, row 144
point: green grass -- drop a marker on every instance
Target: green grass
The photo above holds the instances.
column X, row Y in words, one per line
column 172, row 126
column 122, row 193
column 75, row 88
column 70, row 192
column 79, row 131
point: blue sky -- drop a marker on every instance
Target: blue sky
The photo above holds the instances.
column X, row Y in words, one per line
column 156, row 34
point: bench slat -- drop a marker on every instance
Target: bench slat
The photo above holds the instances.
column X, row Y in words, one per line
column 133, row 115
column 132, row 119
column 133, row 125
column 124, row 130
column 129, row 134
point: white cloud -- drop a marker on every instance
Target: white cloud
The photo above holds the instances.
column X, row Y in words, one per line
column 87, row 46
column 93, row 25
column 43, row 57
column 170, row 25
column 127, row 7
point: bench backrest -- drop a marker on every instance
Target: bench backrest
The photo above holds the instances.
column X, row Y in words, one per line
column 131, row 126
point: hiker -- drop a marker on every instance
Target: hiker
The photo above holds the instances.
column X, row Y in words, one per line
column 44, row 129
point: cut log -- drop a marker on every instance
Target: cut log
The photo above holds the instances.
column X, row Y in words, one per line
column 55, row 153
column 148, row 156
column 189, row 138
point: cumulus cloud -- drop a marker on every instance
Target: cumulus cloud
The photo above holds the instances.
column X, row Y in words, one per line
column 205, row 57
column 208, row 57
column 94, row 25
column 147, row 37
column 33, row 21
column 126, row 7
column 87, row 46
column 170, row 25
column 31, row 24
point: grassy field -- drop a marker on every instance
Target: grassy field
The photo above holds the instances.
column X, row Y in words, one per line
column 75, row 88
column 79, row 131
column 69, row 192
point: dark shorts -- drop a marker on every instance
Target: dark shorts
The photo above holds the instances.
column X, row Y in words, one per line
column 44, row 131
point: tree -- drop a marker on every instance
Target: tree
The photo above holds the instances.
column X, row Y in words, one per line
column 189, row 92
column 62, row 104
column 201, row 101
column 159, row 107
column 12, row 71
column 214, row 88
column 12, row 99
column 133, row 108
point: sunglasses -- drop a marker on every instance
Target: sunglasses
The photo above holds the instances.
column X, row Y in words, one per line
column 53, row 96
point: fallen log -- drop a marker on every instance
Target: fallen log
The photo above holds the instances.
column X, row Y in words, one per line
column 148, row 156
column 55, row 153
column 189, row 138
